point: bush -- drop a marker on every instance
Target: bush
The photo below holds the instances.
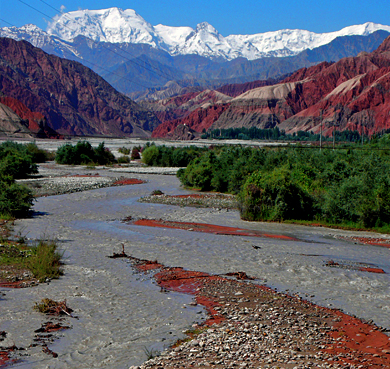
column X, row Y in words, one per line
column 335, row 186
column 15, row 161
column 84, row 154
column 123, row 160
column 45, row 261
column 150, row 155
column 15, row 199
column 39, row 155
column 135, row 153
column 124, row 150
column 163, row 156
column 274, row 196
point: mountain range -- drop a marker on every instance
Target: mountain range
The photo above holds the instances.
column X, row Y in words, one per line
column 351, row 94
column 115, row 25
column 154, row 62
column 180, row 94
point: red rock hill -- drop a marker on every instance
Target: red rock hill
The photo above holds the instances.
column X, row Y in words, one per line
column 353, row 93
column 73, row 99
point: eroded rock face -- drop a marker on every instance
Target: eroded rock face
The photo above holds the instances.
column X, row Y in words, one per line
column 73, row 99
column 34, row 122
column 353, row 94
column 11, row 125
column 183, row 133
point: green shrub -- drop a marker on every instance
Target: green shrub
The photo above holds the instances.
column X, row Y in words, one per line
column 45, row 261
column 150, row 155
column 39, row 155
column 15, row 161
column 274, row 196
column 15, row 200
column 334, row 186
column 123, row 160
column 124, row 150
column 84, row 154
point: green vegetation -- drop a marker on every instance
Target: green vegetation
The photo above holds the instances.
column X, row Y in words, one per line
column 84, row 154
column 42, row 259
column 16, row 161
column 163, row 156
column 45, row 261
column 124, row 150
column 157, row 193
column 123, row 159
column 275, row 134
column 344, row 186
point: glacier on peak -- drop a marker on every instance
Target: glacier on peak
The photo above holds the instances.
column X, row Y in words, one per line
column 116, row 25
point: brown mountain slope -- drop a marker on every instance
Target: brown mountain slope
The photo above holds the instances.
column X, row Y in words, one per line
column 353, row 93
column 72, row 98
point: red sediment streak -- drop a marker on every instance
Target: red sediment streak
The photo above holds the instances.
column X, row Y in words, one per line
column 190, row 282
column 372, row 241
column 362, row 340
column 209, row 228
column 372, row 270
column 214, row 316
column 128, row 181
column 146, row 265
column 51, row 327
column 379, row 244
column 18, row 284
column 356, row 339
column 4, row 358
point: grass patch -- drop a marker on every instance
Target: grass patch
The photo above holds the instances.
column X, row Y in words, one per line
column 42, row 260
column 45, row 261
column 157, row 193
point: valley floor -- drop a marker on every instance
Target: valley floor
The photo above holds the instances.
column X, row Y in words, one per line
column 128, row 312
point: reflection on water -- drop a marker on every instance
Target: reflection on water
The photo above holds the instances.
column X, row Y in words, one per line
column 122, row 312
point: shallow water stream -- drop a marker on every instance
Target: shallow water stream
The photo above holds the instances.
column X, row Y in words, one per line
column 122, row 314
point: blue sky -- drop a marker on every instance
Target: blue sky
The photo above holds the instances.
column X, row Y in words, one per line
column 228, row 17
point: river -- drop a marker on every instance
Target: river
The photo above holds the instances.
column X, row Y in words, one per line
column 122, row 314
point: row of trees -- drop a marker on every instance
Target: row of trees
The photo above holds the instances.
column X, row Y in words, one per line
column 275, row 134
column 84, row 153
column 164, row 156
column 344, row 186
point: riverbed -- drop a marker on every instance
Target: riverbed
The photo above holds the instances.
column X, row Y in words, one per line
column 123, row 315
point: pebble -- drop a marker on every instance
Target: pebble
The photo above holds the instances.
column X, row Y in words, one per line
column 259, row 332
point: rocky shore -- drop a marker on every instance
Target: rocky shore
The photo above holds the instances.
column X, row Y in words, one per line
column 252, row 326
column 222, row 201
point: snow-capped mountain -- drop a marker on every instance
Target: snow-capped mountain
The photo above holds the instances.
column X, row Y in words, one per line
column 116, row 25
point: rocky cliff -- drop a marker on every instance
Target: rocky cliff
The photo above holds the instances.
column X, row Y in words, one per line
column 73, row 99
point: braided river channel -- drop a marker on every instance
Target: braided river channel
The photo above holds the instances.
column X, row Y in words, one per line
column 122, row 315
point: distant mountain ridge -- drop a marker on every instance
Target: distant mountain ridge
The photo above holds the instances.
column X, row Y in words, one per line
column 154, row 62
column 116, row 25
column 352, row 94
